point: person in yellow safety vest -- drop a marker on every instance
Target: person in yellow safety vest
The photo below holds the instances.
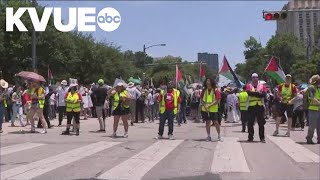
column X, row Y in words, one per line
column 257, row 92
column 3, row 85
column 73, row 101
column 244, row 105
column 286, row 92
column 313, row 94
column 169, row 107
column 121, row 100
column 210, row 98
column 37, row 94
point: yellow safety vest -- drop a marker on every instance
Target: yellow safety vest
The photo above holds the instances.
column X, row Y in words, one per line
column 116, row 99
column 286, row 93
column 176, row 95
column 72, row 102
column 40, row 91
column 255, row 100
column 208, row 99
column 4, row 97
column 314, row 106
column 243, row 98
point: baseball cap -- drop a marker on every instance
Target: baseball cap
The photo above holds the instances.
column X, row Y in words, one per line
column 100, row 81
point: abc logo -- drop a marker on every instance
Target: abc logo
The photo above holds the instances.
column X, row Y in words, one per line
column 109, row 19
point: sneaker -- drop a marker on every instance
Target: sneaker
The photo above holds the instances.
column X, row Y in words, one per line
column 78, row 132
column 43, row 132
column 131, row 123
column 114, row 135
column 171, row 137
column 276, row 132
column 125, row 135
column 220, row 138
column 250, row 140
column 12, row 125
column 179, row 124
column 287, row 134
column 263, row 140
column 208, row 138
column 50, row 126
column 159, row 137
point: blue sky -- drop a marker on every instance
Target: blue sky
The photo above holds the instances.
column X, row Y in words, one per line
column 187, row 27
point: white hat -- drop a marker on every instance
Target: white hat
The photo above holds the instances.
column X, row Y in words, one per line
column 254, row 75
column 64, row 82
column 131, row 84
column 4, row 84
column 119, row 84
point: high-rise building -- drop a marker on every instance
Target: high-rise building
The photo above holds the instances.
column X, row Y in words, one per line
column 211, row 60
column 303, row 24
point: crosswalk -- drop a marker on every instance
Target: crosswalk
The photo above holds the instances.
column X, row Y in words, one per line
column 228, row 157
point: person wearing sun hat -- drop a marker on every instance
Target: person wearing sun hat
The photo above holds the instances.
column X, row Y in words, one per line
column 286, row 92
column 61, row 92
column 134, row 94
column 313, row 94
column 100, row 95
column 121, row 99
column 3, row 86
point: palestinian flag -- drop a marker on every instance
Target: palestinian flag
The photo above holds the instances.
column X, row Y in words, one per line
column 179, row 79
column 227, row 72
column 275, row 71
column 202, row 73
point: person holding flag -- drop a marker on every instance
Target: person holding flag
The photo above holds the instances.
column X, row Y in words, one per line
column 210, row 97
column 286, row 92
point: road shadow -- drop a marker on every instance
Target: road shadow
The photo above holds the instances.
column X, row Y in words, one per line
column 239, row 132
column 248, row 142
column 204, row 140
column 23, row 132
column 117, row 137
column 305, row 143
column 279, row 135
column 207, row 176
column 236, row 125
column 97, row 132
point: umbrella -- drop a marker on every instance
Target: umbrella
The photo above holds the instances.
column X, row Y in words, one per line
column 31, row 75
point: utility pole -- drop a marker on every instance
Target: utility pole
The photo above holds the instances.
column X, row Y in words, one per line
column 34, row 43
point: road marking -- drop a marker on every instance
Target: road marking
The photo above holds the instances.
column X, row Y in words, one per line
column 18, row 147
column 138, row 165
column 229, row 157
column 296, row 151
column 40, row 167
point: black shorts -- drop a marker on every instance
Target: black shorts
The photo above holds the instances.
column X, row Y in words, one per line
column 120, row 112
column 209, row 116
column 285, row 107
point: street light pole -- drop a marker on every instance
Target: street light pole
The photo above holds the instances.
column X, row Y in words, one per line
column 144, row 51
column 34, row 51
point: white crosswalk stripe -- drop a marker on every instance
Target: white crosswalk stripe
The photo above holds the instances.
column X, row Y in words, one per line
column 137, row 166
column 229, row 157
column 40, row 167
column 296, row 151
column 18, row 147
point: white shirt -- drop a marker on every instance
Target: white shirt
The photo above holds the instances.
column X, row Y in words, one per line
column 150, row 99
column 61, row 93
column 52, row 99
column 134, row 93
column 232, row 100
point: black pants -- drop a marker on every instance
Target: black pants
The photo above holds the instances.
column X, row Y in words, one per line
column 93, row 111
column 163, row 118
column 139, row 111
column 62, row 111
column 298, row 114
column 46, row 117
column 256, row 112
column 75, row 115
column 244, row 119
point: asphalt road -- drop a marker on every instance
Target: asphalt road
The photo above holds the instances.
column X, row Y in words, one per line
column 98, row 156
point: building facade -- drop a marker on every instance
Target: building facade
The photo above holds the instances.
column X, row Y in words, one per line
column 303, row 24
column 211, row 60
